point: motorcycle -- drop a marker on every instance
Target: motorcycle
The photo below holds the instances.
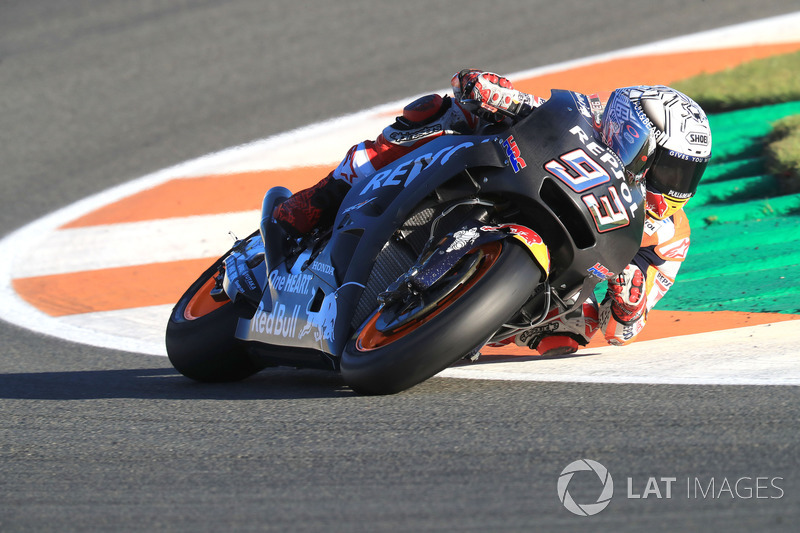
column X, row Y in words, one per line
column 465, row 241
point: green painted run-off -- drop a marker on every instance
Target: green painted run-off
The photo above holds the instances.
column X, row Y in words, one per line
column 745, row 251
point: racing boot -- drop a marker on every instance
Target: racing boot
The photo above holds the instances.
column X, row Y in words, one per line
column 557, row 345
column 560, row 336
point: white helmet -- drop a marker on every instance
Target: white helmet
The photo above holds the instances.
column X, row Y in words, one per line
column 673, row 157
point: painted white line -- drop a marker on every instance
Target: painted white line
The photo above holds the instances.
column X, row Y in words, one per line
column 134, row 243
column 775, row 30
column 138, row 330
column 755, row 355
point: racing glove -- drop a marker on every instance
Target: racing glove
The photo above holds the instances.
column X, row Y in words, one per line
column 627, row 295
column 489, row 95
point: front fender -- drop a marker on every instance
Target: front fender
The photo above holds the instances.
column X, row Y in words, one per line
column 456, row 245
column 533, row 243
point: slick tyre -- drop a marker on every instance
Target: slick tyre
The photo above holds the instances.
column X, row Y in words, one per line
column 200, row 336
column 385, row 358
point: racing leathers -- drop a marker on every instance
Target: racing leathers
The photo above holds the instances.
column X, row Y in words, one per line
column 482, row 98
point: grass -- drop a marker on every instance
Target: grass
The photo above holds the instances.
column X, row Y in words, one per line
column 757, row 83
column 782, row 154
column 761, row 82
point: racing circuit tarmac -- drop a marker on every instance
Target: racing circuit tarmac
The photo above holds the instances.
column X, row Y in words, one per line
column 92, row 439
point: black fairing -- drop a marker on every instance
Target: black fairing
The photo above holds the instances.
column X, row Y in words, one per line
column 592, row 223
column 548, row 172
column 582, row 243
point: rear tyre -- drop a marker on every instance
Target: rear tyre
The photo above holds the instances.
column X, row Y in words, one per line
column 397, row 348
column 200, row 335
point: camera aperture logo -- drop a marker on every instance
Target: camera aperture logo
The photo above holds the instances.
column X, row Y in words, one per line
column 594, row 478
column 606, row 493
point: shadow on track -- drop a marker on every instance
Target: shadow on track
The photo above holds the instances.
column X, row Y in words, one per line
column 165, row 383
column 489, row 359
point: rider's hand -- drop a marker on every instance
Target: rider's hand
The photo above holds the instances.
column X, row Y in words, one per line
column 486, row 93
column 627, row 295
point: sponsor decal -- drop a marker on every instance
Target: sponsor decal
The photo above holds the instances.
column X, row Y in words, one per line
column 293, row 283
column 597, row 108
column 359, row 205
column 675, row 250
column 679, row 195
column 549, row 327
column 347, row 168
column 663, row 283
column 531, row 239
column 600, row 271
column 277, row 323
column 463, row 238
column 322, row 267
column 649, row 226
column 691, row 158
column 407, row 172
column 323, row 322
column 630, row 134
column 512, row 151
column 249, row 280
column 656, row 204
column 583, row 104
column 697, row 138
column 401, row 137
column 528, row 235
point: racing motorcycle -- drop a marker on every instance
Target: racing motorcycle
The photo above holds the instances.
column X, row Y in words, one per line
column 467, row 240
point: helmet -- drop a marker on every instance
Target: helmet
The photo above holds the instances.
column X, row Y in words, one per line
column 662, row 135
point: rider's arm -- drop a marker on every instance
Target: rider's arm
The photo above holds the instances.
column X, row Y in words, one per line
column 624, row 312
column 478, row 94
column 490, row 96
column 422, row 121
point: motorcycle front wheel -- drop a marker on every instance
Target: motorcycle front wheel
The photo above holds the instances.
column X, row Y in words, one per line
column 200, row 335
column 407, row 341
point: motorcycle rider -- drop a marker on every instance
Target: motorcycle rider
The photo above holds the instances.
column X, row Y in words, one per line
column 660, row 134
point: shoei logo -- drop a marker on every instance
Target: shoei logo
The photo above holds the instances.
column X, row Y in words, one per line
column 585, row 509
column 697, row 138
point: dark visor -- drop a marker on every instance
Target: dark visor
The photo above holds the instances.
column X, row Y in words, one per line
column 676, row 176
column 632, row 146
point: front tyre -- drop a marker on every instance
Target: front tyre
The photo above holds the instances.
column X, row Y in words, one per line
column 401, row 345
column 200, row 335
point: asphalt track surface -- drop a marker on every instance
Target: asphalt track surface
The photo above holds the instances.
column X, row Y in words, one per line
column 96, row 93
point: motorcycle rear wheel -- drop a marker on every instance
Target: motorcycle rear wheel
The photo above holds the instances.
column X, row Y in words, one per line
column 386, row 358
column 200, row 335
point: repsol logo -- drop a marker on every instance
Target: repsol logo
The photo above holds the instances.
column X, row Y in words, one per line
column 407, row 172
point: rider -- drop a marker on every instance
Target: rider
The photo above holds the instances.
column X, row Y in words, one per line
column 660, row 134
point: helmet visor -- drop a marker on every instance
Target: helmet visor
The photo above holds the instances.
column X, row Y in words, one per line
column 630, row 140
column 676, row 174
